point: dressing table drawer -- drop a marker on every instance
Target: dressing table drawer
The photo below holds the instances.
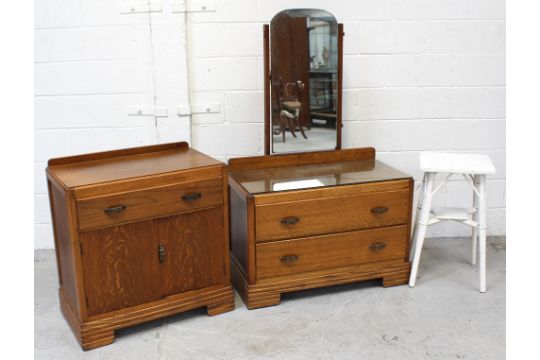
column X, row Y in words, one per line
column 320, row 216
column 330, row 251
column 148, row 203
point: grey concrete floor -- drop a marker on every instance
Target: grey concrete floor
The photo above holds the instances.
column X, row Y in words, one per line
column 443, row 317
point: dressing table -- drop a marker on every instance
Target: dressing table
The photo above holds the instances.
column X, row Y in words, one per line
column 309, row 214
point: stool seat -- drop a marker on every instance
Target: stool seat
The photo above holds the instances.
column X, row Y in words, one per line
column 456, row 163
column 472, row 167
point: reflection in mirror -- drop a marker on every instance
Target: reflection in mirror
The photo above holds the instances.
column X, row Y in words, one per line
column 304, row 80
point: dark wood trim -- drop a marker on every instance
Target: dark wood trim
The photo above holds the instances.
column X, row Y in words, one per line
column 266, row 74
column 226, row 224
column 251, row 255
column 339, row 119
column 118, row 153
column 314, row 157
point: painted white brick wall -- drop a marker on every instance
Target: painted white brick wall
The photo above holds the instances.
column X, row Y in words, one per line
column 91, row 63
column 418, row 75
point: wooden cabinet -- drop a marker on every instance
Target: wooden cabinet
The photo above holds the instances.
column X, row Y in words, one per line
column 140, row 234
column 308, row 220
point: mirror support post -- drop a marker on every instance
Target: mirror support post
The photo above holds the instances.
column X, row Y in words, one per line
column 339, row 120
column 266, row 59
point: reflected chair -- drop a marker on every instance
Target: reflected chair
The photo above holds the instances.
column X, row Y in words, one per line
column 289, row 109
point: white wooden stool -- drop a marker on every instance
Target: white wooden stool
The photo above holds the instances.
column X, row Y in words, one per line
column 474, row 169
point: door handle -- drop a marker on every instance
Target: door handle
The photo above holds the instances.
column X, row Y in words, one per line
column 115, row 209
column 379, row 210
column 288, row 259
column 377, row 246
column 161, row 252
column 191, row 196
column 290, row 220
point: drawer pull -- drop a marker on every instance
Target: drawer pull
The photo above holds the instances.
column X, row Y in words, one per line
column 377, row 246
column 290, row 220
column 161, row 253
column 191, row 196
column 289, row 259
column 379, row 210
column 115, row 209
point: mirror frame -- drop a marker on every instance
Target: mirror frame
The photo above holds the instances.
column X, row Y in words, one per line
column 267, row 94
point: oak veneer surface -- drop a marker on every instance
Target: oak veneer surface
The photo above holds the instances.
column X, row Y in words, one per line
column 118, row 273
column 111, row 166
column 331, row 251
column 317, row 219
column 331, row 215
column 140, row 234
column 195, row 244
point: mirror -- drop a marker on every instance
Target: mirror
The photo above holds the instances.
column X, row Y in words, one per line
column 303, row 57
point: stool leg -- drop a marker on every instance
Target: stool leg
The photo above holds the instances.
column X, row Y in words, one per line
column 475, row 218
column 421, row 226
column 418, row 209
column 482, row 230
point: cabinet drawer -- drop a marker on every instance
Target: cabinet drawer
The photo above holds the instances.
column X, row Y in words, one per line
column 148, row 203
column 330, row 251
column 330, row 215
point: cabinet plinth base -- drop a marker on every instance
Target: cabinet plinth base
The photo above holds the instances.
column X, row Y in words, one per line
column 268, row 291
column 99, row 330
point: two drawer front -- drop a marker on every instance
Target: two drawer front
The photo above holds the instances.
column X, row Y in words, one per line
column 148, row 203
column 330, row 251
column 330, row 215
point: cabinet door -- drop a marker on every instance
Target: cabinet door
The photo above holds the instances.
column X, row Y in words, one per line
column 120, row 266
column 195, row 248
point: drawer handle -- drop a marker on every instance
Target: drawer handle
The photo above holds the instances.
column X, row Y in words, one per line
column 290, row 220
column 289, row 259
column 161, row 253
column 379, row 210
column 377, row 246
column 115, row 209
column 191, row 196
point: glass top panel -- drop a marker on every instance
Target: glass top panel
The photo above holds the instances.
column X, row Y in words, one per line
column 318, row 175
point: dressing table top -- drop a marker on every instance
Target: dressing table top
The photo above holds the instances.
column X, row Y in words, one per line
column 277, row 173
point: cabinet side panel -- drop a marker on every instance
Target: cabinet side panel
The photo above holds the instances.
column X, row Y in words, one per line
column 239, row 226
column 63, row 243
column 194, row 251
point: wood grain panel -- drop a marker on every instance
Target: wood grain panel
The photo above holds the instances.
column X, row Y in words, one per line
column 63, row 242
column 330, row 251
column 120, row 267
column 330, row 215
column 195, row 255
column 312, row 157
column 148, row 203
column 124, row 164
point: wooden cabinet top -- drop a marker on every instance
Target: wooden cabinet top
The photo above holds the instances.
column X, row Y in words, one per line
column 264, row 174
column 116, row 165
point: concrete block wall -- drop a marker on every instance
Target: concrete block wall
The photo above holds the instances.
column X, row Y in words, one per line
column 92, row 63
column 418, row 75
